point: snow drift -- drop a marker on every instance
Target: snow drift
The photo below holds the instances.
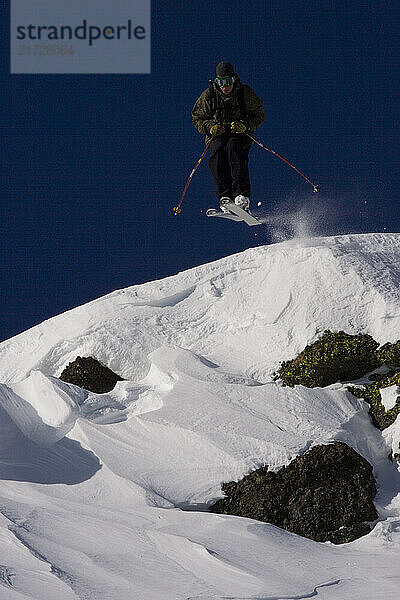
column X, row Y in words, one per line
column 44, row 408
column 93, row 485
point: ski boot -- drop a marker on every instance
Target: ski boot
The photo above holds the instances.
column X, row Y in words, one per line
column 222, row 201
column 243, row 202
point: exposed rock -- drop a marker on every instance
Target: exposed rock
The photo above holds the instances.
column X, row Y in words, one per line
column 380, row 375
column 343, row 357
column 326, row 494
column 90, row 374
column 334, row 357
column 389, row 354
column 381, row 417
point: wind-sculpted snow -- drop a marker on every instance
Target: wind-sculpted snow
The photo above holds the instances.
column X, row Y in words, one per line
column 103, row 496
column 248, row 311
column 44, row 408
column 21, row 459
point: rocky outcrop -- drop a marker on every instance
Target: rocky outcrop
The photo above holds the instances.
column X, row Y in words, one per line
column 389, row 354
column 90, row 374
column 371, row 393
column 326, row 495
column 343, row 357
column 334, row 357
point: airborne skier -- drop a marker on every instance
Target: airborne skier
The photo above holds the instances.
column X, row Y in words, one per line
column 226, row 111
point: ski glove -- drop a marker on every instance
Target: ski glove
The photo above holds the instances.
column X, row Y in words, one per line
column 217, row 130
column 238, row 127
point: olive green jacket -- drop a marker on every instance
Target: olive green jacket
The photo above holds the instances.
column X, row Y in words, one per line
column 228, row 110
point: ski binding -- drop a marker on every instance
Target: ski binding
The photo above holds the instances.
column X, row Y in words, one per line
column 236, row 213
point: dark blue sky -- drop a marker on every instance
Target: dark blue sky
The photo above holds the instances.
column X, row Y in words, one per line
column 95, row 163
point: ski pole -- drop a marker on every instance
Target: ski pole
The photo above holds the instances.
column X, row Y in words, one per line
column 177, row 209
column 315, row 187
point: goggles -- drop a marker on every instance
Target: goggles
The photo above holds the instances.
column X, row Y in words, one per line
column 225, row 81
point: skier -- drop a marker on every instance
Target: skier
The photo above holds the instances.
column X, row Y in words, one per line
column 226, row 111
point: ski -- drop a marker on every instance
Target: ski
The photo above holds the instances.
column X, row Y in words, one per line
column 236, row 213
column 213, row 212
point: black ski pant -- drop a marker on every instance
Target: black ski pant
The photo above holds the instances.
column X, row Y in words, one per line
column 229, row 165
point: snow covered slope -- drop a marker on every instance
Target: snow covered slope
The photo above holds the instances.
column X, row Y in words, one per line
column 102, row 496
